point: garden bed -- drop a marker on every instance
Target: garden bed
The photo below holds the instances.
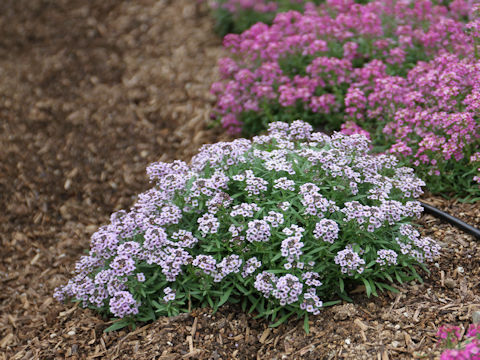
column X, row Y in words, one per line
column 90, row 95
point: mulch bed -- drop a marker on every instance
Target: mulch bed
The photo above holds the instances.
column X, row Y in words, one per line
column 91, row 92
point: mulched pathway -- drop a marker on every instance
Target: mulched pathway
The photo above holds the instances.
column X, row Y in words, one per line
column 91, row 92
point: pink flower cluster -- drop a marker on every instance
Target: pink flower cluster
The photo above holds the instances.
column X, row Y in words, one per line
column 430, row 117
column 469, row 349
column 305, row 63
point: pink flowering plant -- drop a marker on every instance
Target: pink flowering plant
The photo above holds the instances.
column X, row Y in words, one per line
column 429, row 119
column 303, row 64
column 236, row 16
column 364, row 69
column 282, row 224
column 459, row 347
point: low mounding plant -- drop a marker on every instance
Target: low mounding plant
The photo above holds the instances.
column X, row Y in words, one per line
column 303, row 64
column 279, row 223
column 451, row 337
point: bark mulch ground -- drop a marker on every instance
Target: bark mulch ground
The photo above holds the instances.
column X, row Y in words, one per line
column 91, row 92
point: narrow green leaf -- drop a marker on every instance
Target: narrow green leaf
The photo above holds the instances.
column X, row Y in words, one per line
column 157, row 305
column 373, row 287
column 330, row 303
column 254, row 303
column 242, row 289
column 306, row 325
column 367, row 287
column 388, row 287
column 341, row 284
column 225, row 297
column 210, row 302
column 117, row 325
column 398, row 277
column 281, row 320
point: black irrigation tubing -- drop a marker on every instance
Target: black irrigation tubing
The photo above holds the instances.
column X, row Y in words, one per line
column 451, row 219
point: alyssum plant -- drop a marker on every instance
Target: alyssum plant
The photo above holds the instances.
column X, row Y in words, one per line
column 279, row 224
column 236, row 16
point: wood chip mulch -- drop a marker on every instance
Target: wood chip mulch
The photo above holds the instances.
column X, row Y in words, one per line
column 91, row 92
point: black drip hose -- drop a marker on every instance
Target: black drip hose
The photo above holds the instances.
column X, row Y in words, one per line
column 451, row 219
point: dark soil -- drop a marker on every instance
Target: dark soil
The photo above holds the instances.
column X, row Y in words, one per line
column 91, row 92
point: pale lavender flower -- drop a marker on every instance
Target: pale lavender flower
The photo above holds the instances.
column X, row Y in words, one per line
column 184, row 239
column 264, row 283
column 386, row 257
column 245, row 209
column 169, row 294
column 275, row 219
column 255, row 185
column 128, row 248
column 123, row 265
column 250, row 266
column 219, row 200
column 171, row 262
column 311, row 302
column 208, row 224
column 285, row 205
column 291, row 248
column 288, row 289
column 122, row 304
column 155, row 238
column 258, row 230
column 327, row 230
column 311, row 278
column 228, row 265
column 349, row 261
column 205, row 262
column 284, row 184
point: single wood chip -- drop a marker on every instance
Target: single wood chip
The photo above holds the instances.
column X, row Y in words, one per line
column 98, row 354
column 190, row 343
column 265, row 335
column 385, row 355
column 6, row 340
column 362, row 334
column 360, row 324
column 35, row 259
column 194, row 327
column 408, row 340
column 192, row 354
column 68, row 312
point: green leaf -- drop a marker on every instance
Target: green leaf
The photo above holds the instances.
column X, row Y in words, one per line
column 242, row 289
column 224, row 297
column 388, row 277
column 244, row 304
column 367, row 287
column 306, row 325
column 341, row 284
column 373, row 287
column 387, row 287
column 157, row 305
column 281, row 320
column 331, row 303
column 398, row 277
column 254, row 306
column 118, row 325
column 210, row 301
